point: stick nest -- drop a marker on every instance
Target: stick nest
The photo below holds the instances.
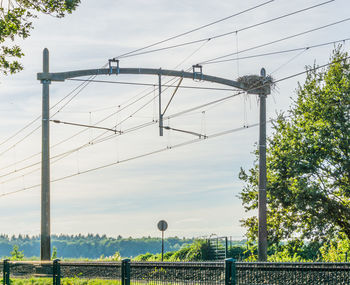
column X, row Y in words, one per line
column 255, row 81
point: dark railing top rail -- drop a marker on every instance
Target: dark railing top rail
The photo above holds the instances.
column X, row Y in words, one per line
column 179, row 264
column 91, row 263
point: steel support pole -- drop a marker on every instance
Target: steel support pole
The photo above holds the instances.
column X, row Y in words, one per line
column 262, row 235
column 162, row 245
column 160, row 105
column 45, row 164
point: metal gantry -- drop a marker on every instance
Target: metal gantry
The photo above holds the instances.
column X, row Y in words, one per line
column 47, row 77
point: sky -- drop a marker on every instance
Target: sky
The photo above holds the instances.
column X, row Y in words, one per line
column 195, row 186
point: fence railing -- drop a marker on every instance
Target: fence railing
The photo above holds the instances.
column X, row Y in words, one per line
column 229, row 272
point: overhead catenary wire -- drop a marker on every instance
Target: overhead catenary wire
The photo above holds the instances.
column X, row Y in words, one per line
column 78, row 133
column 98, row 139
column 164, row 41
column 153, row 85
column 134, row 158
column 130, row 116
column 194, row 30
column 287, row 62
column 227, row 33
column 234, row 95
column 276, row 41
column 82, row 86
column 220, row 57
column 127, row 118
column 147, row 84
column 37, row 118
column 181, row 144
column 62, row 141
column 280, row 51
column 86, row 83
column 67, row 153
column 310, row 69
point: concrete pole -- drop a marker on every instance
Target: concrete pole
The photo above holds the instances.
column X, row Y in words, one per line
column 45, row 164
column 262, row 234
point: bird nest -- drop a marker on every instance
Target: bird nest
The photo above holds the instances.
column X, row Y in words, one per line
column 256, row 82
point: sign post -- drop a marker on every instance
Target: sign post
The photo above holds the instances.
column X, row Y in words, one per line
column 162, row 226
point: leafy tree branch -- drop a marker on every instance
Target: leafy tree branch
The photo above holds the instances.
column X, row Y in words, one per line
column 16, row 23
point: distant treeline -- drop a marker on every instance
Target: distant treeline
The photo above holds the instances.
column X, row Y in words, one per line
column 91, row 246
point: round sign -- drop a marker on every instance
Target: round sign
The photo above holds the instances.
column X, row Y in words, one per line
column 162, row 225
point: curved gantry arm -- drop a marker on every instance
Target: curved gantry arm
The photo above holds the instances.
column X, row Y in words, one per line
column 62, row 76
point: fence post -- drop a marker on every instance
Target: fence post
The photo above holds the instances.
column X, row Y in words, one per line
column 230, row 271
column 56, row 272
column 126, row 272
column 6, row 272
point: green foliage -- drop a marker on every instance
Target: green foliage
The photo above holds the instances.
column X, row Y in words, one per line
column 91, row 246
column 308, row 162
column 115, row 257
column 197, row 251
column 144, row 257
column 54, row 253
column 295, row 251
column 16, row 254
column 241, row 252
column 16, row 22
column 336, row 250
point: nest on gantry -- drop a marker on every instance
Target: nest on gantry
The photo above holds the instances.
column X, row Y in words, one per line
column 256, row 81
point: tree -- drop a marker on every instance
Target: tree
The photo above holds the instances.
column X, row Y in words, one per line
column 308, row 161
column 16, row 254
column 16, row 22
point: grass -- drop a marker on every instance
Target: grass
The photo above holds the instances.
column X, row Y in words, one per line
column 64, row 281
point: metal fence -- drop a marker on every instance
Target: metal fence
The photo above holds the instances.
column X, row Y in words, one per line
column 210, row 273
column 254, row 273
column 166, row 273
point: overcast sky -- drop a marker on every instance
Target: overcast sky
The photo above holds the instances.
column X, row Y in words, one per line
column 194, row 187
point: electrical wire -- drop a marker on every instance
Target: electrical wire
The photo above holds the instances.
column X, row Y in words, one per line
column 82, row 85
column 37, row 118
column 288, row 61
column 132, row 52
column 153, row 85
column 242, row 92
column 226, row 34
column 91, row 79
column 310, row 69
column 78, row 133
column 181, row 144
column 136, row 157
column 193, row 30
column 67, row 153
column 276, row 41
column 96, row 141
column 234, row 95
column 65, row 140
column 233, row 53
column 280, row 52
column 279, row 80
